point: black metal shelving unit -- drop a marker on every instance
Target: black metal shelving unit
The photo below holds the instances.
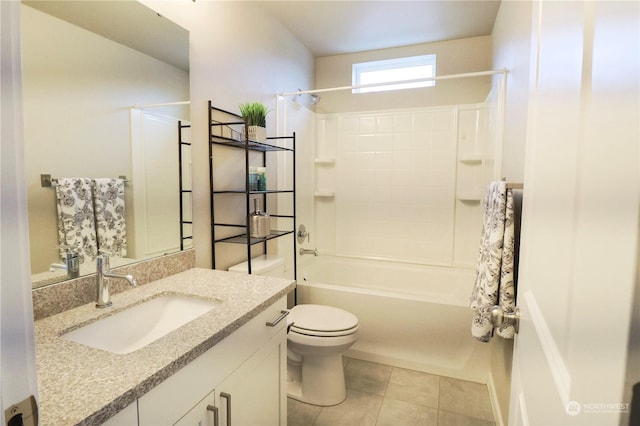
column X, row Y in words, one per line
column 229, row 130
column 182, row 145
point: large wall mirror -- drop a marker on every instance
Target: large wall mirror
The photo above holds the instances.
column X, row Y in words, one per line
column 106, row 90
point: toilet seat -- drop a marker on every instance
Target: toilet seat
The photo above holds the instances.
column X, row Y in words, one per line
column 322, row 321
column 315, row 333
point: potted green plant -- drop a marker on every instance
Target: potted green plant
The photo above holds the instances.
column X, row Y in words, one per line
column 255, row 115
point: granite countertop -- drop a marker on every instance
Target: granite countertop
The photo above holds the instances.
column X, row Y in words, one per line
column 79, row 384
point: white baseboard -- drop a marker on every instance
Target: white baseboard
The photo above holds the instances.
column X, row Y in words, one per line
column 495, row 402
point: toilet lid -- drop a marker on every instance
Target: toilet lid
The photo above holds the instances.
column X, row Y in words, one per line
column 322, row 320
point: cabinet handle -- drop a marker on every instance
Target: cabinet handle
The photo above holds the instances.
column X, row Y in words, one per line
column 215, row 414
column 228, row 398
column 277, row 320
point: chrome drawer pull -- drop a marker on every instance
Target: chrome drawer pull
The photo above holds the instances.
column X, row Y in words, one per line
column 280, row 318
column 228, row 398
column 215, row 414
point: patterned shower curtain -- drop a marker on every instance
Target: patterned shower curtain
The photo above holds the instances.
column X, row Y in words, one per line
column 494, row 278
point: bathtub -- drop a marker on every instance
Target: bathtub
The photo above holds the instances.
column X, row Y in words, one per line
column 411, row 316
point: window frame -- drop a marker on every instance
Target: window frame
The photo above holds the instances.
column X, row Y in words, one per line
column 358, row 69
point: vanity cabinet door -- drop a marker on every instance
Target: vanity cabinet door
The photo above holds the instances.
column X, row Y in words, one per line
column 203, row 414
column 182, row 393
column 251, row 395
column 255, row 393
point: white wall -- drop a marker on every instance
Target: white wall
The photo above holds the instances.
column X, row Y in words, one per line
column 238, row 54
column 78, row 88
column 511, row 39
column 453, row 57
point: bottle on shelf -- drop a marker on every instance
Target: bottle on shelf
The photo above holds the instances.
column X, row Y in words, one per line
column 262, row 178
column 253, row 179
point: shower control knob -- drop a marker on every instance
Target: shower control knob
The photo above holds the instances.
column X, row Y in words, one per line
column 302, row 234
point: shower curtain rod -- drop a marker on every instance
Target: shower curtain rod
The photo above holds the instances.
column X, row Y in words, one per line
column 417, row 80
column 161, row 105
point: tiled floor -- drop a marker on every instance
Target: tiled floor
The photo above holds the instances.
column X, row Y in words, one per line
column 381, row 395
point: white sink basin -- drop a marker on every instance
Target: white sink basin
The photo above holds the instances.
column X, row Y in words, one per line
column 136, row 327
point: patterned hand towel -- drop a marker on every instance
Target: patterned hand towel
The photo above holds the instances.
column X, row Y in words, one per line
column 76, row 223
column 494, row 278
column 110, row 216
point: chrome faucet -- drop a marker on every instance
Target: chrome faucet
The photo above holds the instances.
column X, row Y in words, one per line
column 71, row 263
column 103, row 298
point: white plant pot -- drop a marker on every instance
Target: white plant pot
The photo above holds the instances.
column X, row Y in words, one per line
column 257, row 133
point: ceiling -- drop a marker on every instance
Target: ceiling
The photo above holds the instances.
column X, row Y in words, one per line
column 328, row 27
column 126, row 22
column 325, row 27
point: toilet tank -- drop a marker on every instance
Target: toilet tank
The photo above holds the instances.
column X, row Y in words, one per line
column 269, row 265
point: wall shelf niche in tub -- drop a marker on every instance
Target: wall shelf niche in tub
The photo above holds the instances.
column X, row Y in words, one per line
column 325, row 161
column 469, row 196
column 324, row 194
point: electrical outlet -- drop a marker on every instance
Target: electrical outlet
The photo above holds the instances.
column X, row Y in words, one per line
column 24, row 413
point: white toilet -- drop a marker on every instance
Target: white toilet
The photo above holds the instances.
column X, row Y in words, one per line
column 317, row 336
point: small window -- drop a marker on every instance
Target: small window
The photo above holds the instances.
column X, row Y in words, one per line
column 391, row 70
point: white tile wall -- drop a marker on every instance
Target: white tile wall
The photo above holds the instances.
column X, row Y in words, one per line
column 397, row 179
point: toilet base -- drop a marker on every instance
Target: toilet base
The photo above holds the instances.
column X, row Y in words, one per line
column 317, row 380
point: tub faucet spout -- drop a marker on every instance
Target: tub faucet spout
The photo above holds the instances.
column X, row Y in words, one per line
column 103, row 296
column 308, row 251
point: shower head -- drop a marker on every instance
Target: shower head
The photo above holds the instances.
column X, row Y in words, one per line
column 315, row 99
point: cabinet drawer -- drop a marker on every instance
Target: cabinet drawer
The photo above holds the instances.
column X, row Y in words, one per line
column 171, row 399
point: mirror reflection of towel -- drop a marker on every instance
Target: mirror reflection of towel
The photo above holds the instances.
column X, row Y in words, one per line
column 110, row 216
column 494, row 279
column 76, row 223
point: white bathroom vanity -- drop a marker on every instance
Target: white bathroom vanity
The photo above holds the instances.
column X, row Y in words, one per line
column 227, row 362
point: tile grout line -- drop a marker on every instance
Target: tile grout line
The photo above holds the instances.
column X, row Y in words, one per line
column 440, row 414
column 384, row 395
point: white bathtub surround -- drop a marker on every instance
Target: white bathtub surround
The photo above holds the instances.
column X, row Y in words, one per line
column 404, row 184
column 494, row 281
column 410, row 316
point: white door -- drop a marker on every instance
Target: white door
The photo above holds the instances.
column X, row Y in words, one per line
column 17, row 353
column 154, row 141
column 579, row 248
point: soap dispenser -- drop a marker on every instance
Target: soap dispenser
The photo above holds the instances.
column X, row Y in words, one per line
column 260, row 223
